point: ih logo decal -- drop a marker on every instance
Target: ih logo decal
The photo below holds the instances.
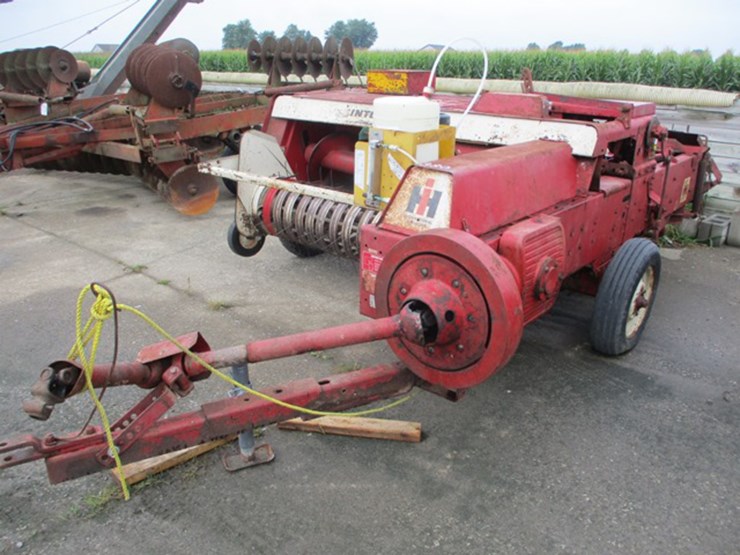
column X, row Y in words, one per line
column 424, row 200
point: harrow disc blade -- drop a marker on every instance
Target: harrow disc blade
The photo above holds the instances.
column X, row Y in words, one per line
column 254, row 53
column 63, row 65
column 267, row 56
column 283, row 56
column 346, row 59
column 136, row 64
column 299, row 57
column 21, row 74
column 314, row 56
column 43, row 62
column 192, row 193
column 173, row 79
column 31, row 70
column 183, row 45
column 331, row 51
column 12, row 81
column 3, row 76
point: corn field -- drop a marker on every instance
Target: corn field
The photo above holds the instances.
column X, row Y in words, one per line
column 669, row 69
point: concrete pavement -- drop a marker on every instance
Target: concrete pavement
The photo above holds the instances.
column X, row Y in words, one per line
column 563, row 451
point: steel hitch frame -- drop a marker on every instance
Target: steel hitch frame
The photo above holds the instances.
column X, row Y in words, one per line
column 142, row 432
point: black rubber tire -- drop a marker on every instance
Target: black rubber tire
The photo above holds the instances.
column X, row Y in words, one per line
column 233, row 238
column 301, row 251
column 230, row 185
column 636, row 265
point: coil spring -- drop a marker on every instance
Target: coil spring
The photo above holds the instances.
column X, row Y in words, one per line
column 320, row 223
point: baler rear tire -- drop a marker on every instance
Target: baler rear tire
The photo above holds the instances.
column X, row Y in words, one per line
column 625, row 297
column 299, row 250
column 230, row 185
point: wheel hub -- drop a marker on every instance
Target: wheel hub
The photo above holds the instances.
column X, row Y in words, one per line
column 640, row 302
column 460, row 328
column 472, row 304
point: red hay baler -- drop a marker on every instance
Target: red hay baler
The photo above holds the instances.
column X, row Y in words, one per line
column 468, row 217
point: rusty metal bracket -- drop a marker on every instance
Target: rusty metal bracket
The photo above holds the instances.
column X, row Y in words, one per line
column 137, row 420
column 74, row 455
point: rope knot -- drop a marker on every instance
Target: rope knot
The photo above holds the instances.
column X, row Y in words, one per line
column 102, row 308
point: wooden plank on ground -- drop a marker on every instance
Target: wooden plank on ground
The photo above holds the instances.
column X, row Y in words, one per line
column 373, row 428
column 140, row 470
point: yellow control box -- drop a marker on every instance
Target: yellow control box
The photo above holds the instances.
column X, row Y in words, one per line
column 381, row 162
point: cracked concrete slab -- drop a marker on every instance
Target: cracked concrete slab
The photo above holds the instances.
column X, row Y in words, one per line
column 563, row 451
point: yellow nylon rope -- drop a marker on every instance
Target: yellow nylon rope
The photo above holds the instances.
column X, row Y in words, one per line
column 102, row 309
column 249, row 390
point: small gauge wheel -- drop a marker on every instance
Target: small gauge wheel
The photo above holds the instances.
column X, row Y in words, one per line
column 243, row 246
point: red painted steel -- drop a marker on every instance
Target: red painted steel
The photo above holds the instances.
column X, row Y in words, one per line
column 72, row 456
column 321, row 340
column 535, row 248
column 451, row 280
column 480, row 292
column 511, row 104
column 340, row 160
column 509, row 184
column 333, row 152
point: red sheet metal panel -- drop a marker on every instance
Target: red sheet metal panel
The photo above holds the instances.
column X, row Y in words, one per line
column 536, row 249
column 496, row 187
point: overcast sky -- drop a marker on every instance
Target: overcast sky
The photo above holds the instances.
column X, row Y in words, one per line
column 511, row 24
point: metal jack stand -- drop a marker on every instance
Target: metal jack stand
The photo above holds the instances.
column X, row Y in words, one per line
column 249, row 453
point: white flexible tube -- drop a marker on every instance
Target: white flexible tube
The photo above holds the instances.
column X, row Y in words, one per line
column 406, row 153
column 428, row 90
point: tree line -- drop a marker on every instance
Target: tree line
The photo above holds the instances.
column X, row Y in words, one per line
column 362, row 33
